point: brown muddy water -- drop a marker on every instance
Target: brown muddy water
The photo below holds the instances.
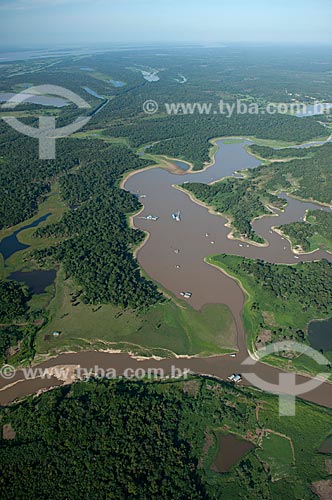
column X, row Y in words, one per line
column 200, row 233
column 174, row 257
column 217, row 366
column 231, row 450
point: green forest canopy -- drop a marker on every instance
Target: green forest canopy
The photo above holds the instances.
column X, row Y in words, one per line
column 141, row 440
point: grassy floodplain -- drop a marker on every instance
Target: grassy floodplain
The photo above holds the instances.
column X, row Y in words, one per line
column 268, row 315
column 164, row 330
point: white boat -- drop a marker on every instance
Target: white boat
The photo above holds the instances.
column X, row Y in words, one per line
column 186, row 295
column 176, row 216
column 235, row 378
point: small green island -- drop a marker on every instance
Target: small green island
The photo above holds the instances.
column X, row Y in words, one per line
column 240, row 200
column 314, row 233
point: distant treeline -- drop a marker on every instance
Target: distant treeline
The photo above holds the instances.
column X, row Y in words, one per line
column 308, row 175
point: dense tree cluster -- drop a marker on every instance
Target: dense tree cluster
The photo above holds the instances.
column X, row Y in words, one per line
column 25, row 180
column 300, row 233
column 120, row 440
column 278, row 154
column 308, row 175
column 188, row 136
column 13, row 303
column 9, row 337
column 100, row 441
column 13, row 309
column 96, row 246
column 240, row 200
column 318, row 226
column 308, row 284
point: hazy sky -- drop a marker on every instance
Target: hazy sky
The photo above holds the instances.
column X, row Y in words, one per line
column 207, row 21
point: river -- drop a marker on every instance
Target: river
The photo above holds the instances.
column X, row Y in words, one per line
column 186, row 244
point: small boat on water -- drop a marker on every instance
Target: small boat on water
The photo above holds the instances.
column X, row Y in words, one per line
column 176, row 216
column 151, row 217
column 186, row 295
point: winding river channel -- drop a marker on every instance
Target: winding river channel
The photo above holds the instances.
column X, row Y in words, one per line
column 173, row 256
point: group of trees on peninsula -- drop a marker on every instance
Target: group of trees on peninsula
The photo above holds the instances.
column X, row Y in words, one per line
column 96, row 243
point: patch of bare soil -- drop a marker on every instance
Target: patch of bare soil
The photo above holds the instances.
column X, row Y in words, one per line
column 328, row 465
column 8, row 432
column 323, row 489
column 264, row 337
column 209, row 440
column 269, row 318
column 191, row 387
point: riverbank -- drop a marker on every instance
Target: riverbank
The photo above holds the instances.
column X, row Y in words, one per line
column 296, row 247
column 268, row 318
column 228, row 219
column 163, row 331
column 295, row 250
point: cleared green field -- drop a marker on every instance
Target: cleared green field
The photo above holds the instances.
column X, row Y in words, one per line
column 165, row 330
column 277, row 454
column 270, row 316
